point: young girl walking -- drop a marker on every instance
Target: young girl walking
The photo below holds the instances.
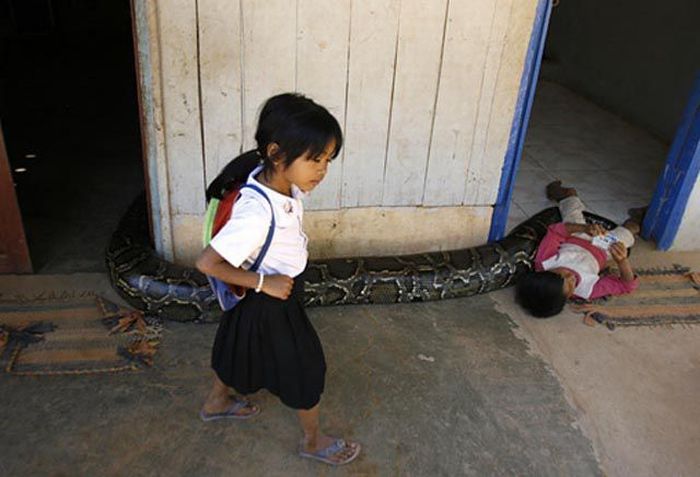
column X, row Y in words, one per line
column 266, row 340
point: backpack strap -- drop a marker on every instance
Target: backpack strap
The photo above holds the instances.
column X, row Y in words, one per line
column 270, row 231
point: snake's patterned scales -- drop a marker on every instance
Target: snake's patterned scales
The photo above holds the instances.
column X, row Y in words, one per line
column 180, row 293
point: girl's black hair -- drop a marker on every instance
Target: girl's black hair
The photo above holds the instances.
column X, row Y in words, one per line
column 298, row 126
column 541, row 294
column 292, row 121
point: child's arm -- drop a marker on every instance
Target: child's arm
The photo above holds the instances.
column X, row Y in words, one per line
column 549, row 246
column 627, row 282
column 619, row 254
column 211, row 263
column 590, row 229
column 555, row 236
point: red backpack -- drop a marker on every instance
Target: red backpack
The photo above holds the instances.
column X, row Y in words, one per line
column 222, row 195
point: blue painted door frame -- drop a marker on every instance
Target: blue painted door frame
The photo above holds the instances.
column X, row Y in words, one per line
column 526, row 95
column 678, row 177
column 674, row 186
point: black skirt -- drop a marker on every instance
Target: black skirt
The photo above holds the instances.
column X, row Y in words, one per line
column 265, row 342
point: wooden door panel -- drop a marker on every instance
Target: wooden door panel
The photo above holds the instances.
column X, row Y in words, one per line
column 14, row 254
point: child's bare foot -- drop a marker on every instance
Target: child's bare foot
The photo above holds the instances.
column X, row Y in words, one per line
column 330, row 450
column 634, row 223
column 217, row 406
column 221, row 403
column 556, row 192
column 632, row 226
column 637, row 214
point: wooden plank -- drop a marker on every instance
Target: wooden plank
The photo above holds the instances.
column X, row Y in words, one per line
column 510, row 71
column 148, row 67
column 322, row 60
column 521, row 116
column 177, row 22
column 269, row 57
column 14, row 253
column 521, row 23
column 465, row 52
column 421, row 33
column 478, row 161
column 220, row 76
column 373, row 35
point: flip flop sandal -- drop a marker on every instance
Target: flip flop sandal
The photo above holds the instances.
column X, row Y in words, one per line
column 326, row 454
column 231, row 412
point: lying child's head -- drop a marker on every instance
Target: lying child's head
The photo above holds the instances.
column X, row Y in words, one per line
column 544, row 294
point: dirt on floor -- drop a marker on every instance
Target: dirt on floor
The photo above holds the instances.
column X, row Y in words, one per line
column 635, row 388
column 459, row 387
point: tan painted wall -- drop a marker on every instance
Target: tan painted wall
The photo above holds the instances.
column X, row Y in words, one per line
column 369, row 231
column 425, row 91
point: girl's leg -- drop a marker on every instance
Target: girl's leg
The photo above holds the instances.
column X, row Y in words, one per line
column 632, row 226
column 315, row 441
column 635, row 220
column 220, row 400
column 570, row 205
column 571, row 209
column 626, row 232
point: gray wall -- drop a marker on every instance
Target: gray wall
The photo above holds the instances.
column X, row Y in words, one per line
column 425, row 92
column 636, row 58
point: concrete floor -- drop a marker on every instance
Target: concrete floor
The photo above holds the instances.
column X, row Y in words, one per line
column 635, row 389
column 613, row 164
column 459, row 387
column 443, row 388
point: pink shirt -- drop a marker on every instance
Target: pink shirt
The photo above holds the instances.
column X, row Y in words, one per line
column 558, row 235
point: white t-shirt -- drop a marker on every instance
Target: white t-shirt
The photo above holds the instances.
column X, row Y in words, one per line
column 581, row 261
column 240, row 240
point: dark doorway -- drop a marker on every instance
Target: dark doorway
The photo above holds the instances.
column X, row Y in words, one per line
column 69, row 110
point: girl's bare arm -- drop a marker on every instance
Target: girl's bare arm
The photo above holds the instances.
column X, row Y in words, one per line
column 590, row 229
column 619, row 254
column 213, row 264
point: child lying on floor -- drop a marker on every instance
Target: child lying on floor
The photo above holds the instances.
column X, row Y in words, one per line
column 571, row 256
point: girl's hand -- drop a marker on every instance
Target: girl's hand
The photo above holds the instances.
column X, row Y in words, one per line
column 278, row 286
column 595, row 229
column 618, row 252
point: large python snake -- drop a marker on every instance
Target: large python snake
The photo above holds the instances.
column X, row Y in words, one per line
column 179, row 293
